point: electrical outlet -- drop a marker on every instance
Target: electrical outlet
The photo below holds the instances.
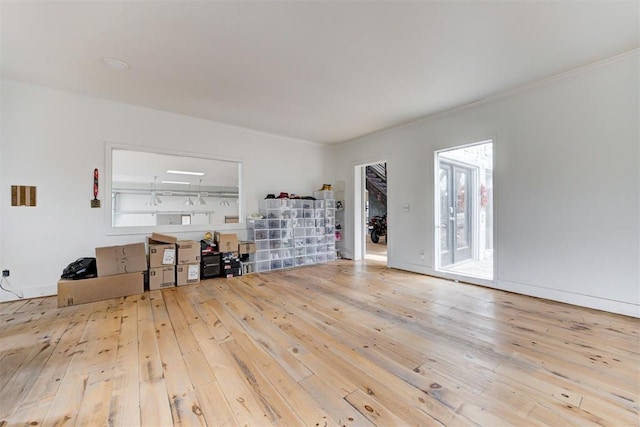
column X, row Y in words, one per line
column 6, row 273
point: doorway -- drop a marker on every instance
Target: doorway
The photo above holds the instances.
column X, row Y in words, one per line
column 370, row 201
column 375, row 193
column 463, row 200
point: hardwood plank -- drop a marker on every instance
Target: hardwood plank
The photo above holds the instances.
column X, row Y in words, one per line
column 407, row 402
column 181, row 328
column 272, row 313
column 125, row 394
column 185, row 408
column 318, row 346
column 34, row 407
column 29, row 361
column 19, row 345
column 375, row 412
column 8, row 309
column 215, row 409
column 94, row 409
column 155, row 409
column 323, row 390
column 244, row 406
column 269, row 399
column 271, row 338
column 67, row 403
column 249, row 362
column 101, row 352
column 186, row 306
column 210, row 325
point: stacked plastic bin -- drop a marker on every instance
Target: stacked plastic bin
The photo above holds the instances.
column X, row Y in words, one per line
column 273, row 235
column 258, row 232
column 293, row 233
column 303, row 215
column 327, row 245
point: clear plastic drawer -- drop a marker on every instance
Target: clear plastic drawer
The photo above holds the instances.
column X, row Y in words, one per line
column 263, row 265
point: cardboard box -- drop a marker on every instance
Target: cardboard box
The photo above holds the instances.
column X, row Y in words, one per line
column 162, row 250
column 227, row 242
column 188, row 251
column 187, row 274
column 162, row 277
column 246, row 248
column 74, row 292
column 162, row 238
column 161, row 255
column 122, row 259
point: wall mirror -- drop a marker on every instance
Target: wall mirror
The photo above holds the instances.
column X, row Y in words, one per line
column 162, row 191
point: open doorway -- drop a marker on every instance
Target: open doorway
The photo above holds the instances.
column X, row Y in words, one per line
column 375, row 215
column 464, row 209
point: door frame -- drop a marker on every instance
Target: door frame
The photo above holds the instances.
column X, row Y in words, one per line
column 437, row 269
column 359, row 189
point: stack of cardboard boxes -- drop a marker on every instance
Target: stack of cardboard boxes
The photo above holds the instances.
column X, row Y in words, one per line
column 120, row 273
column 188, row 269
column 228, row 246
column 170, row 262
column 162, row 261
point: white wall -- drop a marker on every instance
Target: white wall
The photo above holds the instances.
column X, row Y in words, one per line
column 53, row 140
column 567, row 185
column 567, row 180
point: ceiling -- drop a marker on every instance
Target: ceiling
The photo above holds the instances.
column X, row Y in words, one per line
column 323, row 71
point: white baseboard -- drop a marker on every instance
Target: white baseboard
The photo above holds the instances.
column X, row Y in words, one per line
column 611, row 306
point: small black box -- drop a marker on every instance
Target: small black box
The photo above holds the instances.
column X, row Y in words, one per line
column 233, row 272
column 231, row 263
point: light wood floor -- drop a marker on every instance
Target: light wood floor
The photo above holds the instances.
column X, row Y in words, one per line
column 376, row 251
column 349, row 344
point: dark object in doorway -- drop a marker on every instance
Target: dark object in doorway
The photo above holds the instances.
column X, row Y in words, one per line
column 378, row 227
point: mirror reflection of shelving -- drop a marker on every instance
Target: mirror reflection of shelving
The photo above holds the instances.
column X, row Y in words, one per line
column 167, row 205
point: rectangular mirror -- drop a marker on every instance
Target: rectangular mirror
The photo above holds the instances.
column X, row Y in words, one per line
column 163, row 191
